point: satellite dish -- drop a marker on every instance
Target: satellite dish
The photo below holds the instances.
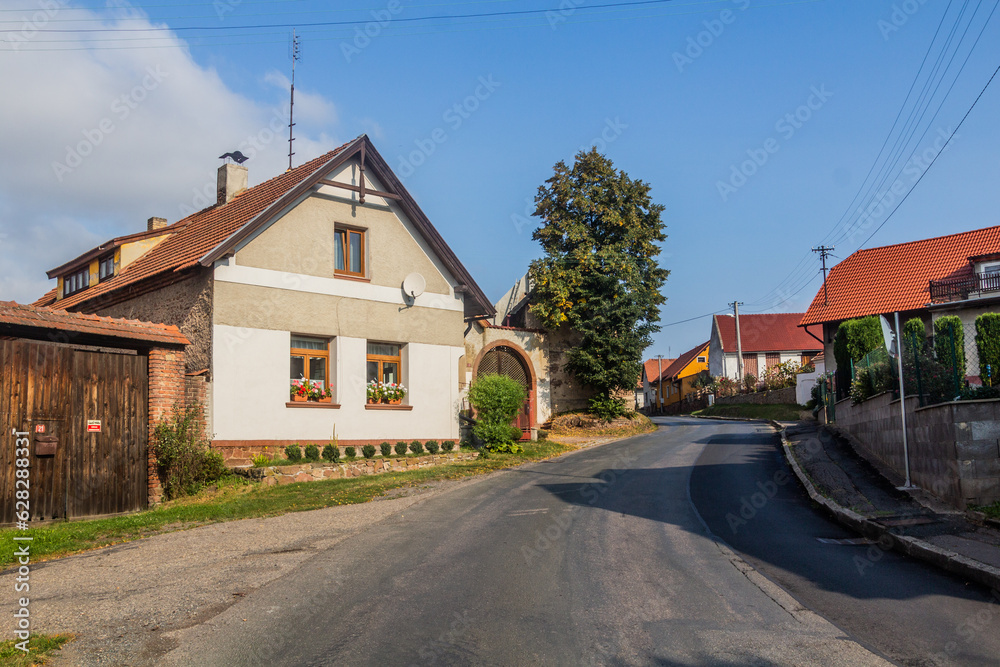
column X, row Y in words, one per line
column 413, row 285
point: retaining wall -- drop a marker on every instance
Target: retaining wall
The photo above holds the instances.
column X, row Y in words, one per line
column 954, row 448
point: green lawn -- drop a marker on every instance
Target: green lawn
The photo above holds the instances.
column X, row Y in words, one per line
column 39, row 647
column 237, row 498
column 782, row 412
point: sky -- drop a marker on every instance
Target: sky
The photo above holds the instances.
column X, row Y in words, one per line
column 764, row 127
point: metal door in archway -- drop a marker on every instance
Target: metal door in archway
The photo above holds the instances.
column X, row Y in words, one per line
column 504, row 360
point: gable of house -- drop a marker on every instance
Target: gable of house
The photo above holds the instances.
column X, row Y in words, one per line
column 218, row 231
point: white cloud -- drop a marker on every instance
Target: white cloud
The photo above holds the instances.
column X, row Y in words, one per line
column 95, row 142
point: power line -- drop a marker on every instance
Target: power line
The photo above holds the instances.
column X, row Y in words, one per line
column 931, row 163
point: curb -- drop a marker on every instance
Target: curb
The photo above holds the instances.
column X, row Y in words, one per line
column 950, row 561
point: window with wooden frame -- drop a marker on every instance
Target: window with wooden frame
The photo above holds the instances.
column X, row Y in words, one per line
column 106, row 268
column 384, row 363
column 349, row 252
column 310, row 360
column 76, row 282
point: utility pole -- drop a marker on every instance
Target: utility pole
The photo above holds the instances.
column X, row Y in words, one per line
column 824, row 252
column 659, row 383
column 739, row 343
column 291, row 106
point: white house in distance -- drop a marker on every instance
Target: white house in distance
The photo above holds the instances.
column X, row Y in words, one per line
column 328, row 272
column 766, row 340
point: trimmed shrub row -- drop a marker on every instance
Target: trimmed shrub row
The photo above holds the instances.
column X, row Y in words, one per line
column 331, row 453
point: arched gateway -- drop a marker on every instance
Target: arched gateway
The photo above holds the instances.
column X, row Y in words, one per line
column 504, row 358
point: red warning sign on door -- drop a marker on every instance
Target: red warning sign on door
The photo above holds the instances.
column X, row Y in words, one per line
column 93, row 426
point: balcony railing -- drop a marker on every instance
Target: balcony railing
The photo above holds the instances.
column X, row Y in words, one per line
column 943, row 291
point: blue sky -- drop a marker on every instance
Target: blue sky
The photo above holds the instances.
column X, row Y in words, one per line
column 678, row 94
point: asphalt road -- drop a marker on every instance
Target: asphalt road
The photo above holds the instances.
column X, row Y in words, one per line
column 908, row 611
column 595, row 558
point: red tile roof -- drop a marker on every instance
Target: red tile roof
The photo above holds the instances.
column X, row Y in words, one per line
column 18, row 315
column 894, row 278
column 778, row 332
column 675, row 369
column 652, row 367
column 197, row 234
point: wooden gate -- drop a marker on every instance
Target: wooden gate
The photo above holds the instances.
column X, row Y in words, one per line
column 504, row 360
column 52, row 392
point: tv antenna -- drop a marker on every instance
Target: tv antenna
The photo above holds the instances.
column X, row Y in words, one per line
column 296, row 55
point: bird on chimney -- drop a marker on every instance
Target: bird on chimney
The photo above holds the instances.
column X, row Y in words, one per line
column 236, row 156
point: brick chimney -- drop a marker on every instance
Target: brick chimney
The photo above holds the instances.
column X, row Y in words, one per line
column 155, row 223
column 232, row 181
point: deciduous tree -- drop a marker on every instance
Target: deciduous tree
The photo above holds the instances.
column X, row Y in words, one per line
column 600, row 231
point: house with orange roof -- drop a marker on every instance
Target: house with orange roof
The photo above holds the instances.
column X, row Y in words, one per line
column 765, row 340
column 677, row 381
column 957, row 274
column 328, row 276
column 648, row 387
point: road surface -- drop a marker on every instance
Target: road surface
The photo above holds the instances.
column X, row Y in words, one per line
column 602, row 557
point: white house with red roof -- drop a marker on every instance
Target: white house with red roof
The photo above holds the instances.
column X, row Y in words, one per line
column 329, row 273
column 958, row 274
column 766, row 340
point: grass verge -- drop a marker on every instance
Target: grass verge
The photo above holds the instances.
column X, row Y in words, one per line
column 238, row 498
column 782, row 412
column 39, row 648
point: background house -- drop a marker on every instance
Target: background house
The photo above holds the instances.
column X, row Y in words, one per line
column 677, row 382
column 652, row 369
column 767, row 340
column 958, row 274
column 328, row 272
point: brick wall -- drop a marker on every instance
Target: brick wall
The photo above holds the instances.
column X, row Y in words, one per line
column 196, row 395
column 166, row 390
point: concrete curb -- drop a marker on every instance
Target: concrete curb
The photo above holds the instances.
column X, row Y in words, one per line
column 950, row 561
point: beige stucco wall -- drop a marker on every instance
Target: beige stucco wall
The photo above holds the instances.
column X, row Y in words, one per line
column 252, row 306
column 136, row 249
column 301, row 241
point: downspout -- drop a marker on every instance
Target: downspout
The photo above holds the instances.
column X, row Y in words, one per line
column 822, row 344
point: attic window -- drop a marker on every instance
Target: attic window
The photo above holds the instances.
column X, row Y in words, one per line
column 702, row 360
column 107, row 268
column 349, row 252
column 76, row 282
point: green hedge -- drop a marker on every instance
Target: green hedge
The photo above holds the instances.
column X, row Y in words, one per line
column 914, row 330
column 855, row 339
column 988, row 344
column 949, row 329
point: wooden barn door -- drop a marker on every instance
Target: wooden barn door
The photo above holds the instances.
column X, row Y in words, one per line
column 108, row 471
column 50, row 392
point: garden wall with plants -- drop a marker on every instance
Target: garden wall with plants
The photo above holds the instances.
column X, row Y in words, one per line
column 786, row 395
column 953, row 447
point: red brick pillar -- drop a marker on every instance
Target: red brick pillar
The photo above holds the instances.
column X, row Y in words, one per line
column 166, row 390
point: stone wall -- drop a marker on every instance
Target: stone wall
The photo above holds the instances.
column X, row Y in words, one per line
column 567, row 392
column 187, row 304
column 311, row 472
column 954, row 448
column 786, row 395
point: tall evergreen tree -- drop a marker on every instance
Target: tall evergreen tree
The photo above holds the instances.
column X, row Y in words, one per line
column 599, row 275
